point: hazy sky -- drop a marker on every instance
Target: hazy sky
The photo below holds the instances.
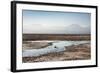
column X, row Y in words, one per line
column 46, row 22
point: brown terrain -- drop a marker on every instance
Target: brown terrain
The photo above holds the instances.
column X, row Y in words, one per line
column 34, row 45
column 75, row 37
column 74, row 52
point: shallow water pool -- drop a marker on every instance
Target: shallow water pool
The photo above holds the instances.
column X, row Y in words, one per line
column 56, row 46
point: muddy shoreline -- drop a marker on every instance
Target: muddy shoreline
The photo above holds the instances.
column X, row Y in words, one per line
column 35, row 45
column 74, row 52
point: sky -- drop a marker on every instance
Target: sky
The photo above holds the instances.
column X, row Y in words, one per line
column 53, row 22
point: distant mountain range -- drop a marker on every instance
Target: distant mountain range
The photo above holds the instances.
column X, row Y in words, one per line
column 77, row 29
column 71, row 29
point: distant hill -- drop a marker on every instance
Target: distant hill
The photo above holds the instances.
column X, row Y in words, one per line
column 77, row 29
column 71, row 29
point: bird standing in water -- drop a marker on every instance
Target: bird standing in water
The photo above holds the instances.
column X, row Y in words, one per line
column 55, row 47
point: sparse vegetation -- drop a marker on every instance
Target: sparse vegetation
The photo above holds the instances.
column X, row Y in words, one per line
column 75, row 37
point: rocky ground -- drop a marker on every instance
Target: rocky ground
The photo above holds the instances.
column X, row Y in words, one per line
column 74, row 52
